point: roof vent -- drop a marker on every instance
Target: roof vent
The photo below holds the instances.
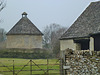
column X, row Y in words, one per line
column 24, row 14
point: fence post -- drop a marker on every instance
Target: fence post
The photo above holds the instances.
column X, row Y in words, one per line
column 47, row 67
column 61, row 67
column 13, row 68
column 30, row 67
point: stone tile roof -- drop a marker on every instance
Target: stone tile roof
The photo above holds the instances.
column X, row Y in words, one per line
column 87, row 23
column 24, row 27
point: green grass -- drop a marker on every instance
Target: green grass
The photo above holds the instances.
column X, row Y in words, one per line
column 22, row 62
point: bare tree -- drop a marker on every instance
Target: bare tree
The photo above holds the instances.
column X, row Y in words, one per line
column 49, row 34
column 2, row 4
column 2, row 31
column 2, row 35
column 52, row 33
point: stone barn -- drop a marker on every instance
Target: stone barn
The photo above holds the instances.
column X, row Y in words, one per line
column 24, row 34
column 84, row 34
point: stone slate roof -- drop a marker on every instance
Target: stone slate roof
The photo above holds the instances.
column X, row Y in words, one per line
column 87, row 23
column 24, row 27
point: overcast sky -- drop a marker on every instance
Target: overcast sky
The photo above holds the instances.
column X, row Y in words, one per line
column 43, row 12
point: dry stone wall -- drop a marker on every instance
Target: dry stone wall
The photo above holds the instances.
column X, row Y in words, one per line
column 77, row 64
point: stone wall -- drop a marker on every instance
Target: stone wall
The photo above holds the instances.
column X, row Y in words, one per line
column 64, row 44
column 74, row 63
column 24, row 41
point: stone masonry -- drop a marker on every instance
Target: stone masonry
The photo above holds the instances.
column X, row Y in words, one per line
column 77, row 64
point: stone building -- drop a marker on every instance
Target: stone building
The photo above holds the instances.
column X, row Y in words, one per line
column 84, row 33
column 24, row 35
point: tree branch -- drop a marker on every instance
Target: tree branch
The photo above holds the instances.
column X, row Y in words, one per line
column 2, row 4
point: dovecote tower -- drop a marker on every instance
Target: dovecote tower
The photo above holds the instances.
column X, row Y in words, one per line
column 24, row 34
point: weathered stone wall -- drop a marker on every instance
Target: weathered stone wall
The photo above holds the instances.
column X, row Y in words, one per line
column 74, row 63
column 64, row 44
column 24, row 41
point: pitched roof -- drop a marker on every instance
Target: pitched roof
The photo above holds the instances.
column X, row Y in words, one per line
column 24, row 26
column 87, row 23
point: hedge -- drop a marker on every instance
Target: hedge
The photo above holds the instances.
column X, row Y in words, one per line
column 27, row 54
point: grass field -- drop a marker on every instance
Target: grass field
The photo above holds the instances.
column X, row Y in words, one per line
column 19, row 63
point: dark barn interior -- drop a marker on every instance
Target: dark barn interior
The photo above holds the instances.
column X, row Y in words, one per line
column 96, row 42
column 83, row 42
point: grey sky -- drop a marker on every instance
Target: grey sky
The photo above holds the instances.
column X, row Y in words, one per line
column 43, row 12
